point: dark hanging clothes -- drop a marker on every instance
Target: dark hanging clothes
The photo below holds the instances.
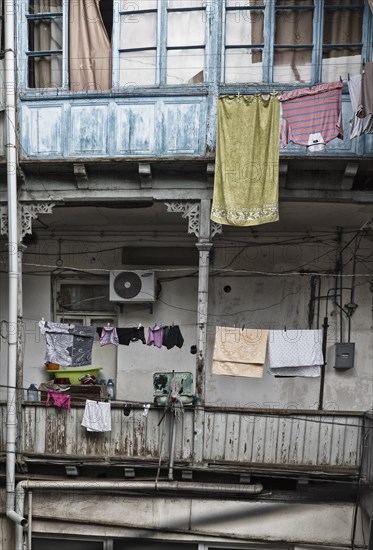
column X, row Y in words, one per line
column 366, row 95
column 172, row 337
column 128, row 335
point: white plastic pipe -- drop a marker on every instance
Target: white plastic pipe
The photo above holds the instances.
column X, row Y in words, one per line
column 29, row 526
column 160, row 486
column 11, row 159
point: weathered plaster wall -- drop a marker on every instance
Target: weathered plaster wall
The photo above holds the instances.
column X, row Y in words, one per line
column 255, row 300
column 36, row 304
column 241, row 520
column 137, row 363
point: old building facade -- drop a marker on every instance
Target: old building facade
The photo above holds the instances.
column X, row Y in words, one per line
column 115, row 137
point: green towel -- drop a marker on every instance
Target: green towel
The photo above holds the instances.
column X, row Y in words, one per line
column 247, row 160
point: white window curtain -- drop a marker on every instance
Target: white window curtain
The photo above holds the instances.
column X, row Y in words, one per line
column 90, row 49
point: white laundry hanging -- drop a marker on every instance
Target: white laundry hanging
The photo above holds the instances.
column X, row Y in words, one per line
column 97, row 416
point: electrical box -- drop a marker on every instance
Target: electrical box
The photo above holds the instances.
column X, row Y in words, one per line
column 344, row 356
column 162, row 387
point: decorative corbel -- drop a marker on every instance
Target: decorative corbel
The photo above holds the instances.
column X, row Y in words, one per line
column 191, row 210
column 81, row 176
column 349, row 175
column 26, row 213
column 146, row 178
column 188, row 210
column 283, row 173
column 210, row 170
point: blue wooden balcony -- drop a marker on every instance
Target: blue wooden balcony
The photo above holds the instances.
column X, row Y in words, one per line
column 153, row 126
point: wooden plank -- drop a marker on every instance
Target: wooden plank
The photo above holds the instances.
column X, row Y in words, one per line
column 259, row 438
column 231, row 436
column 55, row 431
column 28, row 441
column 325, row 440
column 311, row 440
column 245, row 444
column 208, row 430
column 271, row 441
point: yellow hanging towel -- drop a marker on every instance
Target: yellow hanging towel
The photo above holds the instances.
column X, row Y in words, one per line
column 247, row 160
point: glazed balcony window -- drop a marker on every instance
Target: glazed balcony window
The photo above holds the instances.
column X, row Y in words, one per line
column 124, row 44
column 162, row 42
column 284, row 41
column 45, row 21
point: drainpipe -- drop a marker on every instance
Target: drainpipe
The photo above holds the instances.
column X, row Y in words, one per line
column 157, row 487
column 11, row 159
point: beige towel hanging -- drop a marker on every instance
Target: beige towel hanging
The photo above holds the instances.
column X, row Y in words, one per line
column 239, row 352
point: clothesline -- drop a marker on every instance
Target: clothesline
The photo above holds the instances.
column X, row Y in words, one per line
column 158, row 335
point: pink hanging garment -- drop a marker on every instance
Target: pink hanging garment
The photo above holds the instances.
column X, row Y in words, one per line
column 57, row 399
column 109, row 336
column 155, row 336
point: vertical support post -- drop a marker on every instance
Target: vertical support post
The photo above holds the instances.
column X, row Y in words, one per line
column 204, row 247
column 323, row 367
column 20, row 338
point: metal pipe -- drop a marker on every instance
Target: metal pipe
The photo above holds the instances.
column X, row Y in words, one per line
column 161, row 486
column 11, row 160
column 29, row 527
column 172, row 451
column 323, row 367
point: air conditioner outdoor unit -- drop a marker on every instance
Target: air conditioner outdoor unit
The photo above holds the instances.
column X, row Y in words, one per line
column 132, row 286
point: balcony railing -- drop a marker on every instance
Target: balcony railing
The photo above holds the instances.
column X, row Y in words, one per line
column 142, row 127
column 304, row 441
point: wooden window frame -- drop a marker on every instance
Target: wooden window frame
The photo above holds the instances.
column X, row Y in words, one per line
column 26, row 17
column 161, row 47
column 270, row 9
